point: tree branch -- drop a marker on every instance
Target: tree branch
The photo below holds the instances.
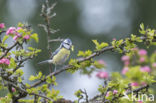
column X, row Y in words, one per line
column 79, row 60
column 24, row 91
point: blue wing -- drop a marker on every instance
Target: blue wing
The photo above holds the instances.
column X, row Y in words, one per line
column 52, row 55
column 55, row 52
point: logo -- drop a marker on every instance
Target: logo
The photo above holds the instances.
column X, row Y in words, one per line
column 138, row 97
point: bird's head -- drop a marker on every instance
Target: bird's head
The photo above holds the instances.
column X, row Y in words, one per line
column 67, row 43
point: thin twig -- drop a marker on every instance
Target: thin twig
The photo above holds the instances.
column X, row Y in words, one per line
column 2, row 32
column 20, row 63
column 24, row 91
column 56, row 40
column 8, row 49
column 86, row 95
column 47, row 14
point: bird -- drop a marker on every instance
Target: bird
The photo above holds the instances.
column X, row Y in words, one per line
column 61, row 54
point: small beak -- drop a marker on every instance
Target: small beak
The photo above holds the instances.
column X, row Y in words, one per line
column 72, row 47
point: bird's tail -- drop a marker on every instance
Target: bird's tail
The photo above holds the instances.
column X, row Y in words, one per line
column 45, row 62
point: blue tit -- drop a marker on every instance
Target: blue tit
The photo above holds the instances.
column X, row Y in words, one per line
column 61, row 54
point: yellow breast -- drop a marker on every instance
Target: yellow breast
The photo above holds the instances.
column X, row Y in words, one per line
column 61, row 56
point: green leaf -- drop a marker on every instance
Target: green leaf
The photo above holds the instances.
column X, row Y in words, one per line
column 101, row 89
column 39, row 75
column 114, row 43
column 31, row 48
column 12, row 63
column 27, row 85
column 142, row 29
column 19, row 72
column 20, row 24
column 95, row 42
column 138, row 39
column 84, row 53
column 78, row 93
column 75, row 65
column 5, row 38
column 133, row 37
column 31, row 78
column 104, row 45
column 119, row 42
column 53, row 94
column 151, row 33
column 98, row 65
column 80, row 53
column 19, row 79
column 35, row 37
column 73, row 62
column 44, row 87
column 49, row 80
column 29, row 91
column 142, row 26
column 99, row 46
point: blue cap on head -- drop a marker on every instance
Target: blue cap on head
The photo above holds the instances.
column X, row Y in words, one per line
column 67, row 41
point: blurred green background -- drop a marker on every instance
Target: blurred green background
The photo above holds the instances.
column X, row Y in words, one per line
column 82, row 21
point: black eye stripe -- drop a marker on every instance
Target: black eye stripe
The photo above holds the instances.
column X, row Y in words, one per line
column 67, row 43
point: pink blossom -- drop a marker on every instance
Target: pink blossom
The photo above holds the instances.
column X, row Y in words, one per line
column 135, row 84
column 27, row 37
column 101, row 62
column 5, row 61
column 139, row 101
column 143, row 83
column 125, row 58
column 17, row 34
column 115, row 91
column 145, row 69
column 126, row 63
column 154, row 65
column 124, row 70
column 2, row 25
column 107, row 94
column 18, row 28
column 102, row 75
column 142, row 59
column 142, row 52
column 11, row 30
column 15, row 37
column 13, row 89
column 2, row 61
column 127, row 91
column 114, row 38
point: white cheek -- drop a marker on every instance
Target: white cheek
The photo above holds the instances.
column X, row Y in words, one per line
column 66, row 46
